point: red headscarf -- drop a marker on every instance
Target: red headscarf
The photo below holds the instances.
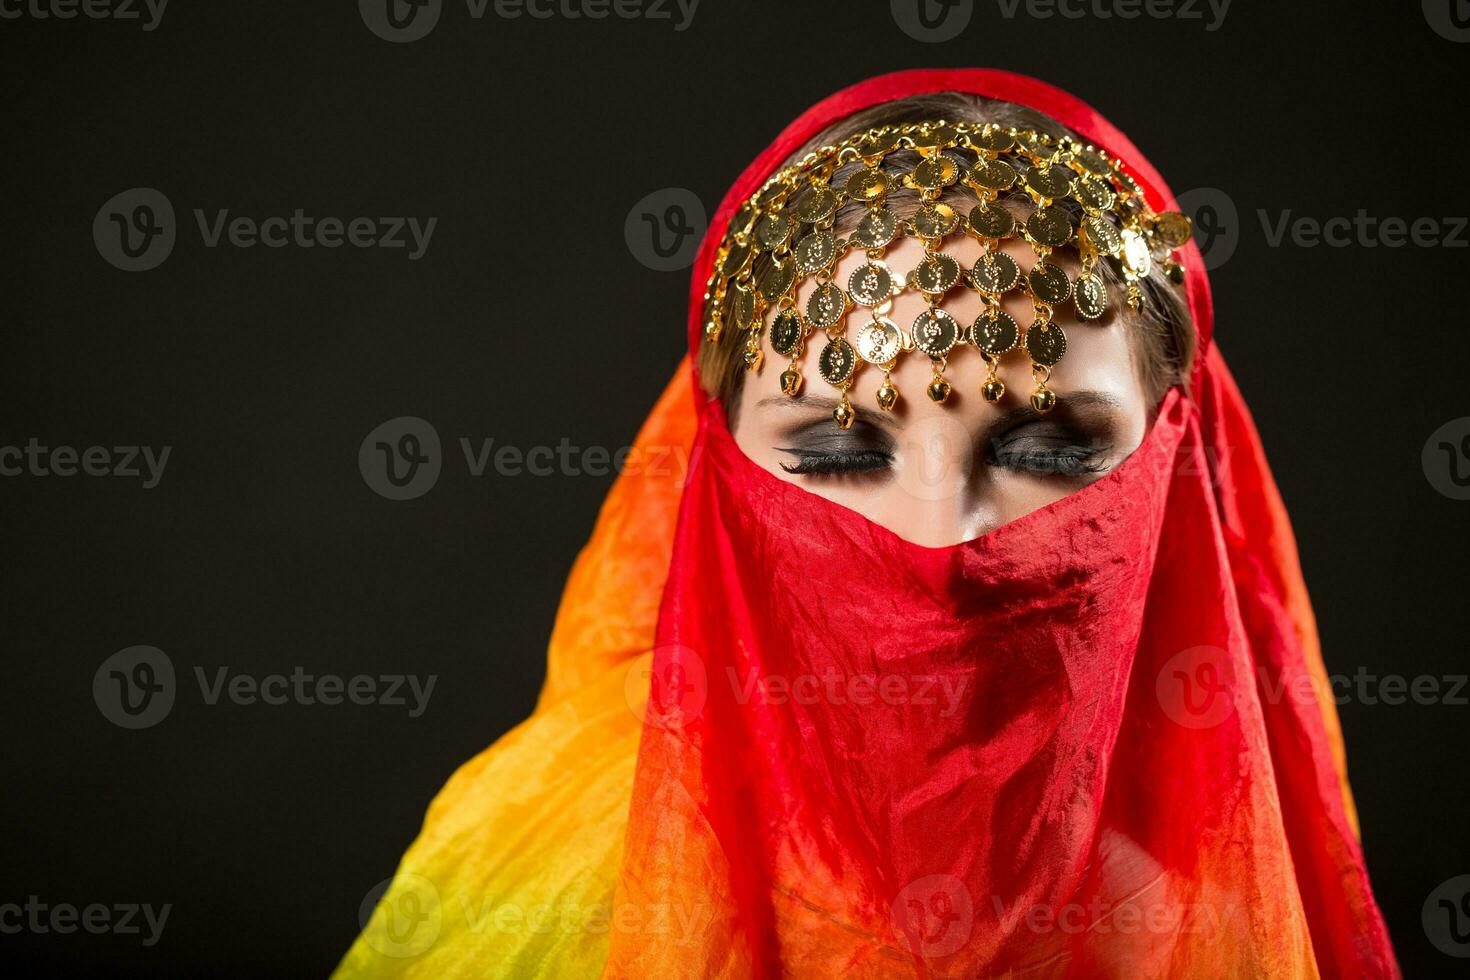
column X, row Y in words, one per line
column 1093, row 742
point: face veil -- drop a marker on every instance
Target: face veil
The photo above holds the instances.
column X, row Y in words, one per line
column 777, row 740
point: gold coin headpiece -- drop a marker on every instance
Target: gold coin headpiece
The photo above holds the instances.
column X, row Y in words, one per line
column 783, row 236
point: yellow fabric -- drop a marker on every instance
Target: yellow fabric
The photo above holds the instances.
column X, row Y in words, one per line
column 514, row 870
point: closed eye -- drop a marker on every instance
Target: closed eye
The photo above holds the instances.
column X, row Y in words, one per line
column 1065, row 461
column 1063, row 445
column 826, row 461
column 1073, row 443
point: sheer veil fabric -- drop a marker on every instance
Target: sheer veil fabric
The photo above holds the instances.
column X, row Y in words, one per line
column 777, row 740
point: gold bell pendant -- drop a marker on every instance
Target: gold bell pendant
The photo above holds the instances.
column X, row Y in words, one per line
column 939, row 388
column 754, row 358
column 1043, row 399
column 844, row 413
column 791, row 382
column 994, row 389
column 887, row 394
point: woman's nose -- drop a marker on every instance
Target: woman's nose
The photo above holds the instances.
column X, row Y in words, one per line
column 939, row 482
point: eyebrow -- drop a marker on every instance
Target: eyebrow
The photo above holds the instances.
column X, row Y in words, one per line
column 1088, row 402
column 815, row 404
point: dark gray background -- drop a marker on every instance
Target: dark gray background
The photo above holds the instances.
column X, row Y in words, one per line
column 529, row 320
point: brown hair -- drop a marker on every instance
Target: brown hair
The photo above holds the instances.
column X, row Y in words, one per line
column 1162, row 336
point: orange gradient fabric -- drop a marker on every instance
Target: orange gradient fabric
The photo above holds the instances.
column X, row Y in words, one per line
column 777, row 741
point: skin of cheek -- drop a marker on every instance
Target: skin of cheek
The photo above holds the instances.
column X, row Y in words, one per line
column 939, row 490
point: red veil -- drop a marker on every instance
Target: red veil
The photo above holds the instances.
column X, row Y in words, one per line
column 1093, row 742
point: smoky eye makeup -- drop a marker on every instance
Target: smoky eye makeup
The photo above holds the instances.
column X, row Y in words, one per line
column 814, row 462
column 1074, row 444
column 818, row 448
column 1070, row 449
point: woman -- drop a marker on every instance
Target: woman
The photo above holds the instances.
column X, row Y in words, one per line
column 973, row 642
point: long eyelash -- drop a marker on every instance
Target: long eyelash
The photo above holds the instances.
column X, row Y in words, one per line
column 1075, row 461
column 810, row 461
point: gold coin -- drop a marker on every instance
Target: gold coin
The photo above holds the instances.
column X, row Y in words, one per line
column 994, row 332
column 1035, row 144
column 735, row 260
column 744, row 305
column 879, row 341
column 935, row 332
column 992, row 175
column 1090, row 296
column 1094, row 193
column 1049, row 226
column 1093, row 161
column 1049, row 180
column 995, row 272
column 936, row 138
column 935, row 220
column 876, row 228
column 786, row 332
column 1045, row 343
column 774, row 278
column 936, row 274
column 1172, row 228
column 991, row 220
column 1049, row 283
column 743, row 218
column 1136, row 257
column 816, row 204
column 1101, row 234
column 837, row 361
column 992, row 140
column 815, row 252
column 820, row 171
column 772, row 231
column 867, row 185
column 873, row 147
column 774, row 195
column 870, row 283
column 827, row 305
column 932, row 173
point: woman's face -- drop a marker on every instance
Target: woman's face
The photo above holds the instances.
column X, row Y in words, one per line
column 939, row 474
